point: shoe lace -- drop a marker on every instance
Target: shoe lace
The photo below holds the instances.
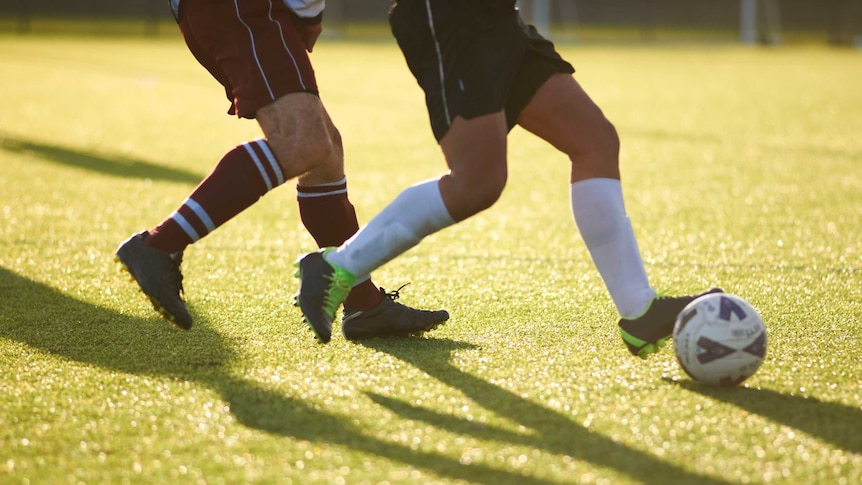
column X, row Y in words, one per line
column 393, row 295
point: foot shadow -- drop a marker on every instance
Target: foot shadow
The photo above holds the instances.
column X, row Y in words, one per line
column 118, row 165
column 43, row 318
column 550, row 431
column 834, row 423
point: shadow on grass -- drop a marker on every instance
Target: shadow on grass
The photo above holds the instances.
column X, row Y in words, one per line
column 551, row 431
column 834, row 423
column 46, row 319
column 119, row 166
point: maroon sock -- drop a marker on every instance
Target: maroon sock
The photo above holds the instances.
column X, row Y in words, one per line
column 330, row 218
column 239, row 179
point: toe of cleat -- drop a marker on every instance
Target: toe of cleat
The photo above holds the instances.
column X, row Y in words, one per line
column 650, row 349
column 647, row 350
column 163, row 312
column 425, row 330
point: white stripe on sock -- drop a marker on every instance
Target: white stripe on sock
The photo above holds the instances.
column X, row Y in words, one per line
column 343, row 181
column 259, row 165
column 186, row 227
column 301, row 194
column 273, row 162
column 201, row 213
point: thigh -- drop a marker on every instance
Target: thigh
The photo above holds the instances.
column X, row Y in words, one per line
column 540, row 62
column 253, row 48
column 562, row 114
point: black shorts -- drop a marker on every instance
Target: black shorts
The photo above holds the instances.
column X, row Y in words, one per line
column 473, row 57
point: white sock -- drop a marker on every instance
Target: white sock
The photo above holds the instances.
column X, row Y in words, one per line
column 417, row 212
column 597, row 205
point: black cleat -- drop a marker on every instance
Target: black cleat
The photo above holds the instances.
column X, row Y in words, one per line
column 390, row 319
column 323, row 287
column 158, row 276
column 650, row 332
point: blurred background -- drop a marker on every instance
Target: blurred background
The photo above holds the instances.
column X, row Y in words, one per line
column 771, row 22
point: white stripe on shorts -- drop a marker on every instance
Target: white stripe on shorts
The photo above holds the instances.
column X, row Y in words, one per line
column 283, row 43
column 439, row 63
column 253, row 48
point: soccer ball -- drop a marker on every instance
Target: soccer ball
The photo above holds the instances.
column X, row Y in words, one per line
column 719, row 339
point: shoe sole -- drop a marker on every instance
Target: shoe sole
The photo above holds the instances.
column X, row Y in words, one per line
column 157, row 306
column 650, row 349
column 417, row 333
column 644, row 348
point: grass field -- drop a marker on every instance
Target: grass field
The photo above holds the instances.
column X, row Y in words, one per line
column 742, row 168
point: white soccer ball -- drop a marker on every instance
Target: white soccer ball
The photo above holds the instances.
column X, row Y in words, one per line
column 719, row 339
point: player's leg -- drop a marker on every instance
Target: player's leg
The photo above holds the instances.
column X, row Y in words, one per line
column 475, row 151
column 471, row 131
column 562, row 113
column 460, row 71
column 329, row 216
column 258, row 70
column 301, row 132
column 262, row 64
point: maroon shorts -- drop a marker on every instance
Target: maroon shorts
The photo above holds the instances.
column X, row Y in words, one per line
column 254, row 48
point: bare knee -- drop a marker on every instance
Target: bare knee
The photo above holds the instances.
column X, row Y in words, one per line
column 598, row 154
column 299, row 155
column 467, row 194
column 489, row 189
column 608, row 143
column 302, row 137
column 314, row 158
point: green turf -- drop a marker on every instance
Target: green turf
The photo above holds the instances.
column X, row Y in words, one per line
column 741, row 169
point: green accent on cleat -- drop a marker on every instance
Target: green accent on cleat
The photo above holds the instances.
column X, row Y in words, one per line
column 648, row 333
column 323, row 288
